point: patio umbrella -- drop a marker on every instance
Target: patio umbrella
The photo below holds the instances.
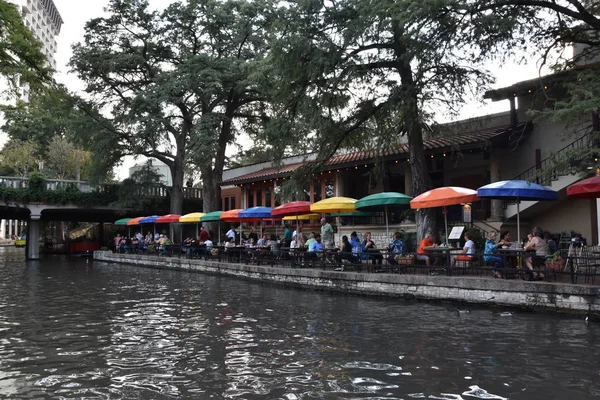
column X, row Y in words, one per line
column 150, row 220
column 443, row 197
column 124, row 221
column 334, row 205
column 293, row 208
column 253, row 213
column 383, row 202
column 169, row 219
column 191, row 219
column 133, row 221
column 234, row 216
column 517, row 190
column 214, row 216
column 585, row 189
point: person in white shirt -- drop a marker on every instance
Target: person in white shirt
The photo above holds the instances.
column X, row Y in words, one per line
column 209, row 244
column 231, row 234
column 467, row 252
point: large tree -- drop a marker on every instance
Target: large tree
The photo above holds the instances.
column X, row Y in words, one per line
column 171, row 84
column 365, row 72
column 21, row 57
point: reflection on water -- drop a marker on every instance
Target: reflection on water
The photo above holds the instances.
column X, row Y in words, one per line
column 73, row 328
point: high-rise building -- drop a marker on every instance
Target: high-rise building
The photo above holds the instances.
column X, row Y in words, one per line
column 44, row 20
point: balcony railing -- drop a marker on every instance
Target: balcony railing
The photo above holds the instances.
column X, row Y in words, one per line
column 87, row 187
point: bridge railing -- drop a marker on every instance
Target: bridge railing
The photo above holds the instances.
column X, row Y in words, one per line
column 15, row 182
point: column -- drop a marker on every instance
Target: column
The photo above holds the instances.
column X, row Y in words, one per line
column 3, row 229
column 496, row 206
column 33, row 237
column 10, row 228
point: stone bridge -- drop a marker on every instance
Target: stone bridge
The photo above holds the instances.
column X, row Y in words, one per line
column 17, row 207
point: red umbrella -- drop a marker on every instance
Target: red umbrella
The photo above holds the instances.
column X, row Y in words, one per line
column 292, row 208
column 167, row 219
column 585, row 189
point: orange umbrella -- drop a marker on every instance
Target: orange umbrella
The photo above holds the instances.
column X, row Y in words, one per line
column 135, row 221
column 442, row 197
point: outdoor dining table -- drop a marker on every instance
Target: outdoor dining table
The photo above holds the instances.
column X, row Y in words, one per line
column 445, row 251
column 517, row 253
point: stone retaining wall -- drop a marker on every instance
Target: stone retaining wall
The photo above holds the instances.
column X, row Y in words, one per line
column 515, row 293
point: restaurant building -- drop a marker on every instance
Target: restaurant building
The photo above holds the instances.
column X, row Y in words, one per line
column 468, row 153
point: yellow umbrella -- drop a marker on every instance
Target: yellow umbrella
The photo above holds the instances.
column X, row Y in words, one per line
column 334, row 205
column 305, row 217
column 192, row 218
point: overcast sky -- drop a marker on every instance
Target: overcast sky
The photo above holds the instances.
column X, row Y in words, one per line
column 76, row 13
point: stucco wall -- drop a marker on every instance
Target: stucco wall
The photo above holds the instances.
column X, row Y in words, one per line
column 566, row 216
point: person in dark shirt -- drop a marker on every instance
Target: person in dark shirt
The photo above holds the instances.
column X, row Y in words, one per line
column 204, row 236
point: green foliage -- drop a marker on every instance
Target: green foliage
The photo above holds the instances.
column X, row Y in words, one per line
column 21, row 58
column 20, row 156
column 60, row 126
column 175, row 81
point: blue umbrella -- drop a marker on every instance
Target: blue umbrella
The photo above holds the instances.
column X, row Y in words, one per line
column 256, row 212
column 517, row 190
column 150, row 220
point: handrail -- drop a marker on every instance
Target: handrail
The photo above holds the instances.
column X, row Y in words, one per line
column 16, row 182
column 535, row 173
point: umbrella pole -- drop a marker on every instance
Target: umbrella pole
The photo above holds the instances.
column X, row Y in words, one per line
column 387, row 226
column 445, row 211
column 196, row 231
column 518, row 223
column 240, row 232
column 297, row 230
column 219, row 238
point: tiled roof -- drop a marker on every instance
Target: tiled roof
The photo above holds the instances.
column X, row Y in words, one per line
column 448, row 142
column 270, row 173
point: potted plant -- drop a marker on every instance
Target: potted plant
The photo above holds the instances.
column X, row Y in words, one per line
column 555, row 262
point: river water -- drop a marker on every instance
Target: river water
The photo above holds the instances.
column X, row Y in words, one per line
column 74, row 328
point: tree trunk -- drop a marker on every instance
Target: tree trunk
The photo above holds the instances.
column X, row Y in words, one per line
column 177, row 188
column 421, row 181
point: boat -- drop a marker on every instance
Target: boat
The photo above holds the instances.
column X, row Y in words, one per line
column 21, row 241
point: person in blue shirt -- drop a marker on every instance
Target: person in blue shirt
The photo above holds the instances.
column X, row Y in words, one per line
column 489, row 256
column 317, row 245
column 396, row 248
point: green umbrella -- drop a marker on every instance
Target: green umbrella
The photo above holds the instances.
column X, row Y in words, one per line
column 122, row 221
column 214, row 216
column 383, row 202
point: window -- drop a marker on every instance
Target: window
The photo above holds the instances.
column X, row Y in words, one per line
column 329, row 188
column 306, row 193
column 268, row 197
column 232, row 203
column 259, row 199
column 226, row 204
column 250, row 198
column 318, row 196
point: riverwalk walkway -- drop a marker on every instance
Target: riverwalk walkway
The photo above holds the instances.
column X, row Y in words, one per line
column 541, row 295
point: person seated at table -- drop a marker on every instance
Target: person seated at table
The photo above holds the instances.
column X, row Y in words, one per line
column 370, row 249
column 467, row 252
column 253, row 234
column 148, row 239
column 505, row 239
column 396, row 248
column 427, row 241
column 203, row 236
column 551, row 243
column 263, row 241
column 316, row 249
column 186, row 245
column 345, row 251
column 229, row 243
column 310, row 241
column 489, row 254
column 540, row 246
column 163, row 244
